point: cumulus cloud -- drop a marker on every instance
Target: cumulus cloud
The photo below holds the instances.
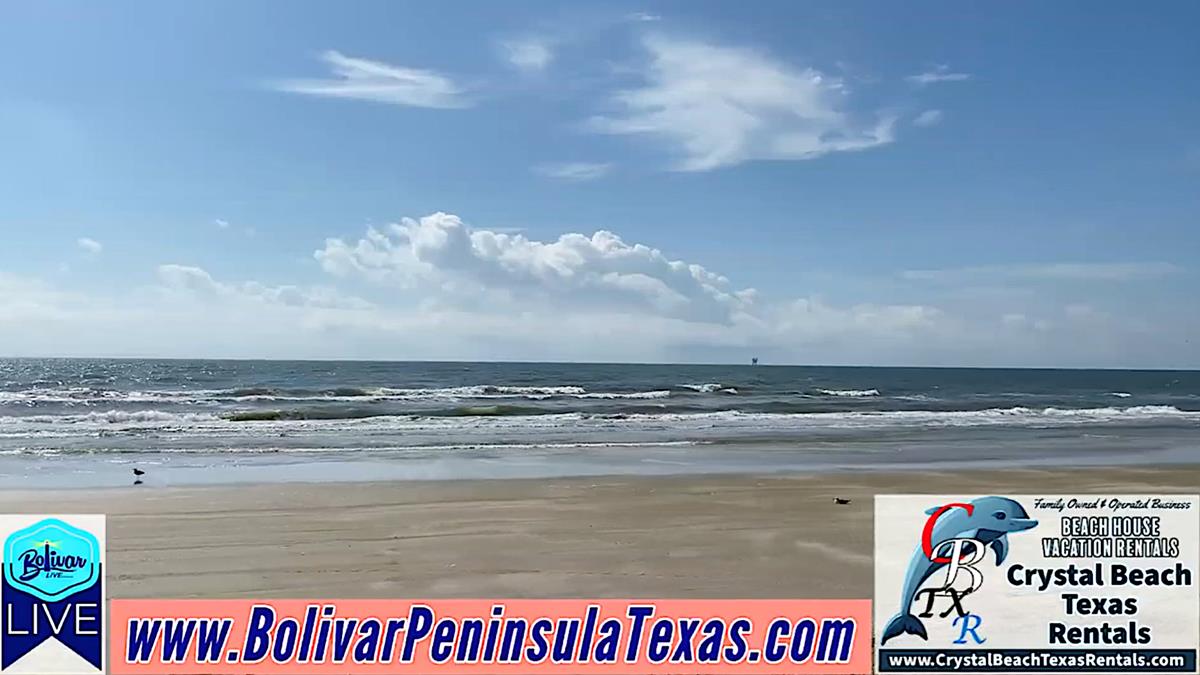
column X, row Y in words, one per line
column 188, row 312
column 719, row 106
column 436, row 288
column 366, row 80
column 574, row 171
column 939, row 73
column 600, row 269
column 89, row 246
column 530, row 55
column 550, row 298
column 928, row 118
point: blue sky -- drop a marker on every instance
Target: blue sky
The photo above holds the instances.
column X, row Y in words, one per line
column 931, row 184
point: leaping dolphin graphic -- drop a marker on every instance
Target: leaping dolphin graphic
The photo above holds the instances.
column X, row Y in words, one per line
column 989, row 520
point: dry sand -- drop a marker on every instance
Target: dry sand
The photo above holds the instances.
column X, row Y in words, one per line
column 687, row 536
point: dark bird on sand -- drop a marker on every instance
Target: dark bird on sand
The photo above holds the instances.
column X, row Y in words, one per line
column 138, row 472
column 841, row 500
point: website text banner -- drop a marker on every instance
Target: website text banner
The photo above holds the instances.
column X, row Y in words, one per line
column 490, row 636
column 1047, row 583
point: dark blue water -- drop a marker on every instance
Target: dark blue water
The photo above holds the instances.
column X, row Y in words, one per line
column 567, row 417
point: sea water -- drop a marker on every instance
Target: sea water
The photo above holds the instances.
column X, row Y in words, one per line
column 68, row 422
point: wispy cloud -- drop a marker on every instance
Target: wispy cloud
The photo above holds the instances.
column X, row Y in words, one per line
column 928, row 118
column 643, row 17
column 197, row 281
column 530, row 55
column 225, row 225
column 89, row 245
column 940, row 73
column 720, row 106
column 574, row 171
column 366, row 80
column 1120, row 271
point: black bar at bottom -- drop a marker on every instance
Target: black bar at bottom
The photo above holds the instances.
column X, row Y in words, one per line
column 1037, row 660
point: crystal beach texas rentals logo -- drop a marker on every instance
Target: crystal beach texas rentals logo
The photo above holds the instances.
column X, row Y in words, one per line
column 52, row 594
column 1045, row 583
column 956, row 537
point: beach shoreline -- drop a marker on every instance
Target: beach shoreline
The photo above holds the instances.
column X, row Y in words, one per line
column 688, row 536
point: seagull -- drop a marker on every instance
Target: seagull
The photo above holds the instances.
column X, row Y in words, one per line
column 841, row 500
column 138, row 472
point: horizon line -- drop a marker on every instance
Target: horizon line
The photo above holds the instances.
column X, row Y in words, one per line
column 746, row 364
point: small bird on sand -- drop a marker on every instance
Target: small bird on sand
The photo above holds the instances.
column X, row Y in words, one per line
column 138, row 472
column 841, row 500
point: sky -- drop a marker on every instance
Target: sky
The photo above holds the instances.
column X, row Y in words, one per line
column 927, row 183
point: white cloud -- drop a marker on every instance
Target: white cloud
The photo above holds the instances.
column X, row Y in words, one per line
column 200, row 284
column 928, row 118
column 530, row 55
column 1119, row 271
column 362, row 79
column 249, row 231
column 574, row 171
column 434, row 288
column 940, row 73
column 721, row 106
column 642, row 17
column 441, row 251
column 23, row 299
column 89, row 246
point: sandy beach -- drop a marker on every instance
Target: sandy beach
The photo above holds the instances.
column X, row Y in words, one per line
column 687, row 536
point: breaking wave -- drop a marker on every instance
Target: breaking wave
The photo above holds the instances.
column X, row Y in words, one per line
column 89, row 396
column 709, row 388
column 515, row 415
column 849, row 393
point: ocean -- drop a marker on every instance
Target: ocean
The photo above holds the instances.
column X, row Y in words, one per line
column 76, row 422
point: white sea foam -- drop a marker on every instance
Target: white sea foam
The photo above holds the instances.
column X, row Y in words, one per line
column 116, row 420
column 663, row 393
column 111, row 417
column 849, row 393
column 1120, row 394
column 425, row 449
column 85, row 396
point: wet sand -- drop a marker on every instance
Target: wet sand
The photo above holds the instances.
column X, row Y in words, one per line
column 686, row 536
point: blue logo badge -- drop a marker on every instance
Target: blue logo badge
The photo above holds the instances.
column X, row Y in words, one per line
column 51, row 559
column 52, row 588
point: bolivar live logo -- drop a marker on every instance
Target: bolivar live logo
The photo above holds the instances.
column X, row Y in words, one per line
column 52, row 594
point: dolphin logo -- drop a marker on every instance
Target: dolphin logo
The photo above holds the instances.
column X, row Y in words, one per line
column 987, row 520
